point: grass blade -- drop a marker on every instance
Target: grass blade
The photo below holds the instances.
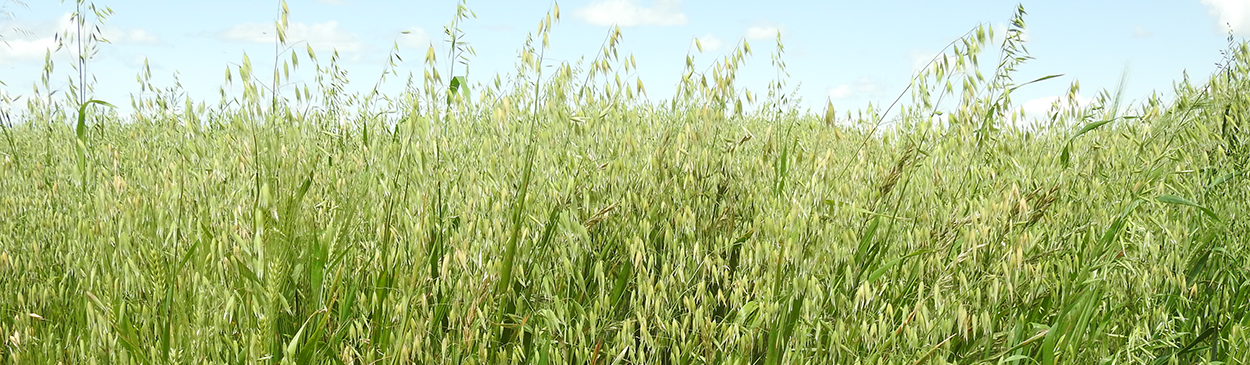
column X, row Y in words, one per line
column 1176, row 200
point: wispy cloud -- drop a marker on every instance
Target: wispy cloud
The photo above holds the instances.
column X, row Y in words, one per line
column 865, row 87
column 16, row 50
column 131, row 36
column 137, row 62
column 763, row 32
column 920, row 59
column 628, row 13
column 709, row 42
column 841, row 92
column 41, row 37
column 416, row 38
column 1000, row 32
column 1231, row 15
column 321, row 36
column 1141, row 32
column 38, row 39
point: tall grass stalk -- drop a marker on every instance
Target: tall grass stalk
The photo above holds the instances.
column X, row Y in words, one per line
column 558, row 215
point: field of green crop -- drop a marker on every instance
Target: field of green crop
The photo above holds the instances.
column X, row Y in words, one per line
column 554, row 216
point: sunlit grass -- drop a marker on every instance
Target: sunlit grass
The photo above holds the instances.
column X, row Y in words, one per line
column 558, row 217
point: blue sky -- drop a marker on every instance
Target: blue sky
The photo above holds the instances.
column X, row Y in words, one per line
column 848, row 52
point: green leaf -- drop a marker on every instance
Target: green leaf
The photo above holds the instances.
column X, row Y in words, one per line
column 293, row 345
column 1188, row 348
column 1091, row 126
column 864, row 242
column 1040, row 79
column 623, row 276
column 81, row 148
column 881, row 270
column 81, row 131
column 1225, row 178
column 169, row 299
column 1173, row 199
column 1176, row 200
column 1065, row 156
column 243, row 269
column 1118, row 224
column 747, row 314
column 518, row 208
column 781, row 334
column 299, row 194
column 454, row 85
column 457, row 86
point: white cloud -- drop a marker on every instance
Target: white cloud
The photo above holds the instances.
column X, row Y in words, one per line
column 710, row 43
column 136, row 63
column 920, row 59
column 1000, row 32
column 865, row 87
column 416, row 38
column 24, row 50
column 628, row 13
column 17, row 48
column 249, row 32
column 40, row 38
column 1141, row 32
column 321, row 36
column 841, row 92
column 1230, row 15
column 132, row 36
column 763, row 32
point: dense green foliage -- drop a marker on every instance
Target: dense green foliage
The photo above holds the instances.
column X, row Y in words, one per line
column 558, row 218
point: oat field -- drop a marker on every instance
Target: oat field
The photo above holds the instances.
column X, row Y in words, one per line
column 555, row 216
